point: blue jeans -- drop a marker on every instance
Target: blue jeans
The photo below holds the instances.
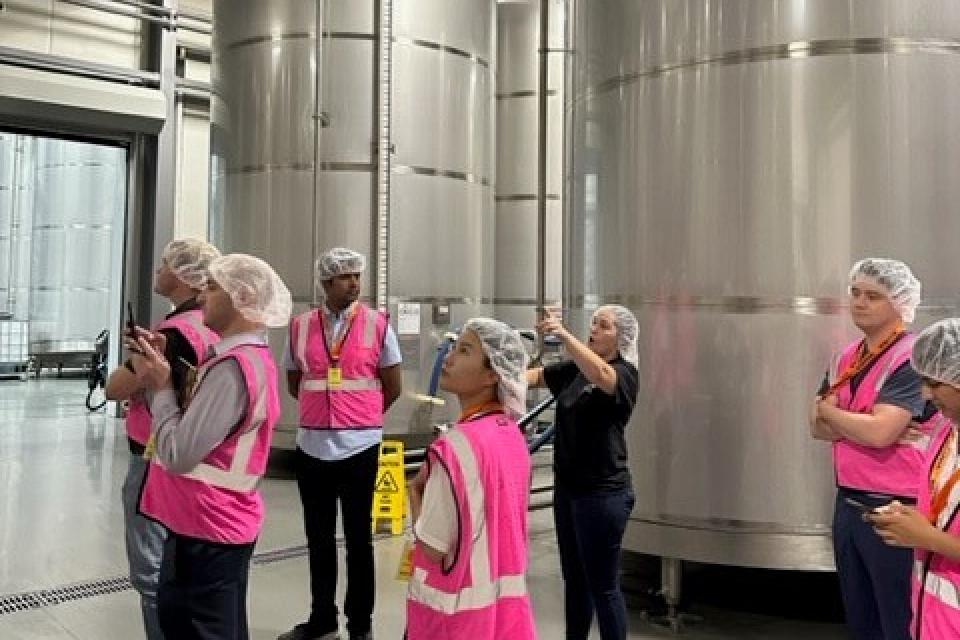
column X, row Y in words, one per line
column 144, row 541
column 874, row 577
column 589, row 533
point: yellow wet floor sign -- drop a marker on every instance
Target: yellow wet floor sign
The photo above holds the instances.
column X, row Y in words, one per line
column 390, row 492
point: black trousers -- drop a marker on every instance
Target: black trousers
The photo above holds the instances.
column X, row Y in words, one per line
column 322, row 483
column 203, row 589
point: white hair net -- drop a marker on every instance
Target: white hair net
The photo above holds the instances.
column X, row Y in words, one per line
column 337, row 262
column 936, row 353
column 189, row 259
column 508, row 358
column 627, row 331
column 255, row 289
column 895, row 277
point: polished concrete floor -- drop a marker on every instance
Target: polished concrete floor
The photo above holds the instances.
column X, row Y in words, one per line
column 61, row 469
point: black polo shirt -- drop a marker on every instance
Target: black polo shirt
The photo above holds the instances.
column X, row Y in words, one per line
column 590, row 449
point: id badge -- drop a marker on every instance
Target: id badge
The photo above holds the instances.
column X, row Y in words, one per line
column 334, row 377
column 150, row 449
column 405, row 568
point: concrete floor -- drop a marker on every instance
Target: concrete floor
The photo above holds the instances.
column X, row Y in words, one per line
column 61, row 469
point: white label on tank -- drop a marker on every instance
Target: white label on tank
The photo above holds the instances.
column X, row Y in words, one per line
column 408, row 319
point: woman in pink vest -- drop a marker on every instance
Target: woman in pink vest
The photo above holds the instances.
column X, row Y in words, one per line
column 469, row 501
column 180, row 278
column 870, row 408
column 932, row 528
column 210, row 454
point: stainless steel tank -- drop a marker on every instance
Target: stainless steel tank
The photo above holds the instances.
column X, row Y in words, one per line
column 731, row 160
column 79, row 192
column 386, row 149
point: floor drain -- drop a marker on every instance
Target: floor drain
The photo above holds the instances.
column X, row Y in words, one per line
column 40, row 598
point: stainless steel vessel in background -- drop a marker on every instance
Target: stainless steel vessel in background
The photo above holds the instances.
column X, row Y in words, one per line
column 731, row 160
column 379, row 136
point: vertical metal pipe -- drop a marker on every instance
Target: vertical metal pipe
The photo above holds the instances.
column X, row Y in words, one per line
column 380, row 243
column 567, row 169
column 544, row 59
column 317, row 89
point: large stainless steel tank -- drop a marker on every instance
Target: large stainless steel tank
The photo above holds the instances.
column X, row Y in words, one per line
column 731, row 160
column 79, row 193
column 400, row 165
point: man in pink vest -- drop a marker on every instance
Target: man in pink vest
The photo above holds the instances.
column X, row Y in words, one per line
column 209, row 455
column 469, row 501
column 871, row 408
column 933, row 527
column 181, row 276
column 343, row 365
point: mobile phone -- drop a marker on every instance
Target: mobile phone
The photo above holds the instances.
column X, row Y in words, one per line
column 860, row 506
column 131, row 325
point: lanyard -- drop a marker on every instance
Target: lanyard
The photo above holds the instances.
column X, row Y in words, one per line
column 336, row 346
column 480, row 410
column 940, row 496
column 866, row 357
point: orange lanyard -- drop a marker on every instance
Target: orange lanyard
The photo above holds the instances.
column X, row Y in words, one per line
column 336, row 346
column 866, row 357
column 940, row 496
column 476, row 411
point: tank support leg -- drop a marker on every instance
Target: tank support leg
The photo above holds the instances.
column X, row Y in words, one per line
column 671, row 585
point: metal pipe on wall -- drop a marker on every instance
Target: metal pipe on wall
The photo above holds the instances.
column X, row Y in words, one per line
column 542, row 88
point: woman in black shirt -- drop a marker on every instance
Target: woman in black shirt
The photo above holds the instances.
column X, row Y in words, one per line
column 596, row 391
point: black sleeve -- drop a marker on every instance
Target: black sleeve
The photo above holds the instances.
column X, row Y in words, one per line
column 902, row 389
column 628, row 383
column 178, row 347
column 559, row 375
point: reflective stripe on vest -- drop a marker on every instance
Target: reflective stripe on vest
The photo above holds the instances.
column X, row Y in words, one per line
column 938, row 587
column 320, row 384
column 236, row 477
column 484, row 592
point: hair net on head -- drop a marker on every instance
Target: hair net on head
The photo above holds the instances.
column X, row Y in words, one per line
column 189, row 259
column 255, row 289
column 936, row 353
column 508, row 358
column 337, row 262
column 895, row 277
column 627, row 331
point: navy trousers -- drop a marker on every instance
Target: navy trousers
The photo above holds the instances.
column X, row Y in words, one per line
column 589, row 534
column 203, row 589
column 874, row 577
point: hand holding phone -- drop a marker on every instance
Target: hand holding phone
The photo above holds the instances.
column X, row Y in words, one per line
column 131, row 330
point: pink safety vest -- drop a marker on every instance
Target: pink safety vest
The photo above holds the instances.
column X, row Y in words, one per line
column 893, row 470
column 480, row 592
column 357, row 402
column 936, row 605
column 201, row 338
column 218, row 500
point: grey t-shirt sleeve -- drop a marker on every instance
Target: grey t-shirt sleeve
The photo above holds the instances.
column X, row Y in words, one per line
column 184, row 438
column 902, row 389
